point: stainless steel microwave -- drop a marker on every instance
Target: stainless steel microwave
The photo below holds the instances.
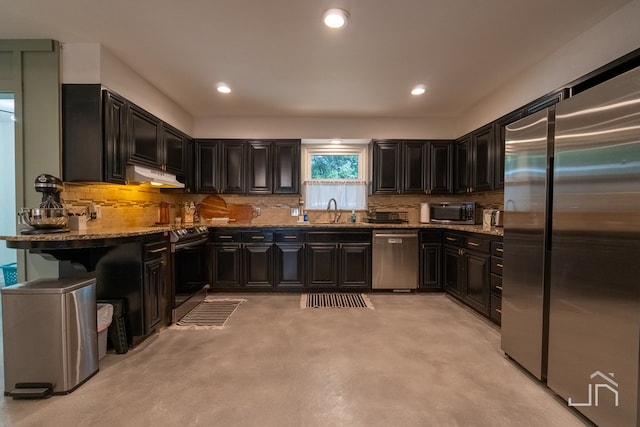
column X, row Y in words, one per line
column 451, row 213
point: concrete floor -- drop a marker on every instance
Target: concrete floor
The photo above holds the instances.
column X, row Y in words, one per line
column 416, row 360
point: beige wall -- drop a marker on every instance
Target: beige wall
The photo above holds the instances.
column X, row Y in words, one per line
column 323, row 128
column 92, row 63
column 608, row 40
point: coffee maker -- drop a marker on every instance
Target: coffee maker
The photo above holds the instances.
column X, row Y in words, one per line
column 50, row 187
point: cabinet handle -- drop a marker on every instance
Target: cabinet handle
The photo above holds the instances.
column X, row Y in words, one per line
column 451, row 239
column 290, row 237
column 499, row 265
column 474, row 244
column 499, row 287
column 225, row 237
column 257, row 237
column 498, row 310
column 155, row 251
column 499, row 250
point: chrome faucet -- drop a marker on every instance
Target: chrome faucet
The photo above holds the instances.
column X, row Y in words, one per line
column 336, row 213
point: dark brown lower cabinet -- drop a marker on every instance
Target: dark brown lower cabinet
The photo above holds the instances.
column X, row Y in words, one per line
column 430, row 260
column 339, row 259
column 467, row 270
column 153, row 293
column 289, row 265
column 242, row 260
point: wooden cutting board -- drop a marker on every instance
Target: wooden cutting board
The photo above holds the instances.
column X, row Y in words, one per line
column 241, row 213
column 213, row 207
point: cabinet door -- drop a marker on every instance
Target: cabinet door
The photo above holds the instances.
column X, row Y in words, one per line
column 481, row 159
column 322, row 265
column 290, row 265
column 499, row 145
column 259, row 173
column 174, row 150
column 115, row 138
column 226, row 265
column 386, row 167
column 476, row 289
column 233, row 167
column 355, row 265
column 452, row 265
column 415, row 163
column 286, row 167
column 430, row 265
column 153, row 292
column 258, row 265
column 461, row 165
column 145, row 138
column 207, row 166
column 440, row 165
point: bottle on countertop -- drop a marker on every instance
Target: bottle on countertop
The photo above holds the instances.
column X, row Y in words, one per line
column 352, row 219
column 305, row 217
column 188, row 214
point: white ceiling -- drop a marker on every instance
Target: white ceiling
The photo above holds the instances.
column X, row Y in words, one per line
column 281, row 61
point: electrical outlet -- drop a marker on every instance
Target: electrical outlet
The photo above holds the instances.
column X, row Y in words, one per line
column 295, row 212
column 258, row 212
column 98, row 211
column 95, row 211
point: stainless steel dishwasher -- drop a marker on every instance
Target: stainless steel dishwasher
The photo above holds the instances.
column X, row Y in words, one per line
column 395, row 259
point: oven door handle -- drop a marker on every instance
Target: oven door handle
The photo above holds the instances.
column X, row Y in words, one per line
column 189, row 244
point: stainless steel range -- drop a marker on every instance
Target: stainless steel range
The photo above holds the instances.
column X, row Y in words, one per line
column 189, row 268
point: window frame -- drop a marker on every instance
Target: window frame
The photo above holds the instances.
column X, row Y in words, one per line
column 335, row 149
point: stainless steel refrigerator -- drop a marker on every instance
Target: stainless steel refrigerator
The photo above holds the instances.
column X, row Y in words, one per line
column 571, row 277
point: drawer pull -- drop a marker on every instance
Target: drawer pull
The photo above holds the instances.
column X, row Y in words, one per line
column 499, row 287
column 474, row 244
column 290, row 237
column 498, row 310
column 257, row 237
column 451, row 239
column 155, row 251
column 498, row 265
column 499, row 250
column 225, row 237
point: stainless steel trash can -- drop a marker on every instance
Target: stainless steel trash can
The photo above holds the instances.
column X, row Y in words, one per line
column 50, row 335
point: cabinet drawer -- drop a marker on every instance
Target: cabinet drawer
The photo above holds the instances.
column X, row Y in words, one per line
column 477, row 244
column 227, row 236
column 496, row 265
column 496, row 309
column 290, row 236
column 430, row 236
column 496, row 285
column 155, row 249
column 257, row 236
column 452, row 239
column 339, row 237
column 496, row 249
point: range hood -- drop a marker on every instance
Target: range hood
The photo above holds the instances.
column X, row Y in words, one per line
column 141, row 175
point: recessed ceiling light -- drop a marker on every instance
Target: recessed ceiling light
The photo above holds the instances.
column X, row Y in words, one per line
column 335, row 18
column 223, row 88
column 418, row 90
column 336, row 141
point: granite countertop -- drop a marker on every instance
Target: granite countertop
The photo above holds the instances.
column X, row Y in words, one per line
column 111, row 233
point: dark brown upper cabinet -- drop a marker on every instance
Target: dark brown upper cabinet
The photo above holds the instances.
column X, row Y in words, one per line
column 206, row 169
column 499, row 146
column 414, row 159
column 232, row 167
column 94, row 134
column 286, row 167
column 259, row 167
column 440, row 166
column 411, row 167
column 461, row 164
column 155, row 144
column 237, row 166
column 145, row 138
column 386, row 161
column 474, row 161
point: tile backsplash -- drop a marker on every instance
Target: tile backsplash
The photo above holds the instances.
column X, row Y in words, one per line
column 139, row 206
